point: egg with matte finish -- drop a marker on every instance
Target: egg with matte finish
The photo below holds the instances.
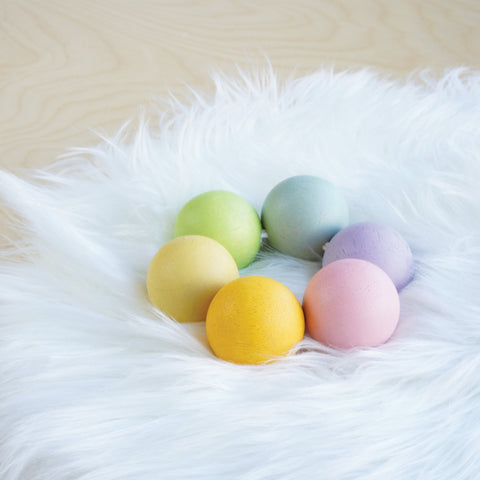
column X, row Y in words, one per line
column 186, row 273
column 351, row 303
column 376, row 243
column 302, row 213
column 226, row 217
column 253, row 320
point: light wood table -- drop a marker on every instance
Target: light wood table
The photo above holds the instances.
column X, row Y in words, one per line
column 68, row 68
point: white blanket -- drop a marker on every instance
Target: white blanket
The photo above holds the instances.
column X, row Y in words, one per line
column 96, row 385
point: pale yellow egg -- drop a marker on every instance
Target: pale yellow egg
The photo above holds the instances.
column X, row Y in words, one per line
column 186, row 273
column 254, row 319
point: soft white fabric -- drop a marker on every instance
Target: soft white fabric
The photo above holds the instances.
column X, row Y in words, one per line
column 96, row 385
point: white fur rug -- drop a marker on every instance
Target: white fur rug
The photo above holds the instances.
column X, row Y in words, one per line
column 96, row 386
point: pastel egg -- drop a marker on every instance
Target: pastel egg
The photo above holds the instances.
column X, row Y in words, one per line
column 253, row 320
column 186, row 273
column 227, row 218
column 351, row 303
column 376, row 243
column 302, row 213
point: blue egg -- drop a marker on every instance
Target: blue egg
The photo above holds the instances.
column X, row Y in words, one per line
column 302, row 213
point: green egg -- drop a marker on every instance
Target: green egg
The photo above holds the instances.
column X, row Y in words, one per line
column 227, row 218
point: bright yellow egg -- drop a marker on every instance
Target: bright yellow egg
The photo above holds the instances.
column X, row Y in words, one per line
column 186, row 273
column 254, row 319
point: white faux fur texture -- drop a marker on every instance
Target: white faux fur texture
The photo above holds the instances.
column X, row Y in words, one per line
column 95, row 385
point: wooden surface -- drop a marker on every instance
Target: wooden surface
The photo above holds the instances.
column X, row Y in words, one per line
column 69, row 67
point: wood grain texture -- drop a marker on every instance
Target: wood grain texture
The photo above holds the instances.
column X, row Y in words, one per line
column 70, row 67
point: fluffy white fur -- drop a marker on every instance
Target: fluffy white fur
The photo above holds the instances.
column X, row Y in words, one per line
column 96, row 385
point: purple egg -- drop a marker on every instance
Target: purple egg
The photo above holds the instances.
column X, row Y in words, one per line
column 376, row 243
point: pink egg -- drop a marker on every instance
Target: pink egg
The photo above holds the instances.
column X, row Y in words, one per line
column 351, row 303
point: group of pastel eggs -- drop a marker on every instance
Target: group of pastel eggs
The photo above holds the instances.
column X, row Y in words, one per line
column 352, row 301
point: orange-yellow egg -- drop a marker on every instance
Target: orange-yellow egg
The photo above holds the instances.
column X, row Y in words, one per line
column 254, row 319
column 186, row 273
